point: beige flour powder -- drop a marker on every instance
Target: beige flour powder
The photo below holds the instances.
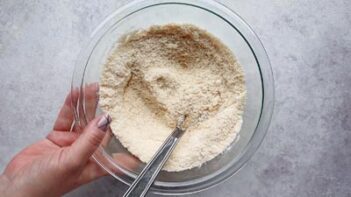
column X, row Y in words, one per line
column 155, row 75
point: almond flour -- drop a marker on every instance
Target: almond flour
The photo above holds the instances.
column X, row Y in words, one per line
column 153, row 76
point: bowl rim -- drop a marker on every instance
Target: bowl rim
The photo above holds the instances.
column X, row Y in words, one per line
column 262, row 60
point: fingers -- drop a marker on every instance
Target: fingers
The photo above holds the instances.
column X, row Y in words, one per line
column 62, row 139
column 91, row 98
column 82, row 149
column 93, row 171
column 66, row 114
column 107, row 137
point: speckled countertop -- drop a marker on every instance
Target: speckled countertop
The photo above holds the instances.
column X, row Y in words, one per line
column 307, row 151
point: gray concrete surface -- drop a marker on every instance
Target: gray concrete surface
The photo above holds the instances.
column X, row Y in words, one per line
column 307, row 151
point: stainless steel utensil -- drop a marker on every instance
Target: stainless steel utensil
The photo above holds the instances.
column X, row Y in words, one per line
column 143, row 182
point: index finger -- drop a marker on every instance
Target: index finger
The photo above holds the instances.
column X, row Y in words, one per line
column 66, row 115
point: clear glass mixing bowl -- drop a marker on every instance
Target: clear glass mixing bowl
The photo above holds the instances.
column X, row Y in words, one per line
column 228, row 27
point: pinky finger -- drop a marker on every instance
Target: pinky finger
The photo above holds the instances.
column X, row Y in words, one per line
column 91, row 172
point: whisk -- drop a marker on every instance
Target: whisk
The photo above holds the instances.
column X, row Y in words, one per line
column 143, row 182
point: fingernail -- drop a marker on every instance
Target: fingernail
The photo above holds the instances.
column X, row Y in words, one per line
column 104, row 122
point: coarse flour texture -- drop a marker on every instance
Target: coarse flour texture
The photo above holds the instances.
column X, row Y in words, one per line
column 153, row 76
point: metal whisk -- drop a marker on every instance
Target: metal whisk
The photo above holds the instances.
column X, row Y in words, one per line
column 143, row 182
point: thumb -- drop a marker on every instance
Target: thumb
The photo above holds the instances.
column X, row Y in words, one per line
column 83, row 148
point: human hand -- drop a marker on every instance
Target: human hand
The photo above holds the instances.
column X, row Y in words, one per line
column 61, row 161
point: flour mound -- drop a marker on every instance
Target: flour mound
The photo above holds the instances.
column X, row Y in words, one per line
column 155, row 75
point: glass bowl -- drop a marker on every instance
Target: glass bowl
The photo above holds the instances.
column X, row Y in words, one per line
column 231, row 30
